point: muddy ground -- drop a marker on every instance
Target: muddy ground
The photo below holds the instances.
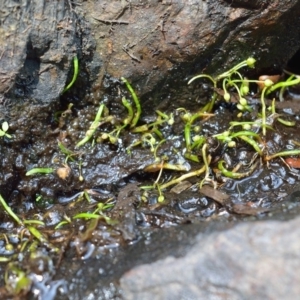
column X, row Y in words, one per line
column 90, row 211
column 115, row 180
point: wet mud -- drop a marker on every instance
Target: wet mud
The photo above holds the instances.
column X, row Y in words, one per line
column 116, row 181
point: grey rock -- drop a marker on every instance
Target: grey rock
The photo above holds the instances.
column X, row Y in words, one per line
column 37, row 46
column 249, row 261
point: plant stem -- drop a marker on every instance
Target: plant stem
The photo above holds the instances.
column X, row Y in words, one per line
column 92, row 128
column 263, row 111
column 76, row 69
column 136, row 101
column 9, row 211
column 183, row 177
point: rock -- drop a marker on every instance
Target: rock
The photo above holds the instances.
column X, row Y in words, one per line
column 159, row 44
column 249, row 261
column 153, row 43
column 37, row 46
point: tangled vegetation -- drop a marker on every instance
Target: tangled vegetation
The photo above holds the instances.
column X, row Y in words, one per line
column 203, row 156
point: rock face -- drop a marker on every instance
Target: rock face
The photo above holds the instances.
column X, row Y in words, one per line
column 249, row 261
column 37, row 45
column 160, row 43
column 152, row 43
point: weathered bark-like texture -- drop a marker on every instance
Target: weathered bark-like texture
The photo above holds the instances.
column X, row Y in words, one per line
column 153, row 43
column 37, row 45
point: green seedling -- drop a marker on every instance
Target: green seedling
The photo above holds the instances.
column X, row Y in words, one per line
column 198, row 141
column 291, row 81
column 60, row 224
column 35, row 232
column 137, row 115
column 227, row 81
column 95, row 124
column 242, row 91
column 156, row 149
column 192, row 157
column 166, row 166
column 283, row 153
column 86, row 216
column 66, row 220
column 156, row 185
column 184, row 177
column 209, row 106
column 161, row 197
column 280, row 120
column 35, row 171
column 113, row 135
column 235, row 175
column 69, row 154
column 263, row 111
column 101, row 207
column 204, row 76
column 4, row 259
column 283, row 88
column 16, row 280
column 98, row 213
column 161, row 119
column 3, row 132
column 89, row 216
column 223, row 137
column 60, row 115
column 246, row 136
column 206, row 160
column 34, row 222
column 141, row 129
column 149, row 139
column 38, row 198
column 75, row 74
column 189, row 120
column 226, row 137
column 24, row 244
column 129, row 108
column 41, row 238
column 9, row 211
column 87, row 196
column 244, row 133
column 250, row 62
column 247, row 124
column 165, row 118
column 251, row 142
column 286, row 123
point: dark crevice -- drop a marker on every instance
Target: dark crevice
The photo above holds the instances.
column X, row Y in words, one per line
column 293, row 64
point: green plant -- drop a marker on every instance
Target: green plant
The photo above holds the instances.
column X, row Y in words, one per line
column 16, row 280
column 138, row 112
column 75, row 74
column 95, row 124
column 9, row 211
column 35, row 171
column 27, row 224
column 3, row 131
column 231, row 82
column 197, row 149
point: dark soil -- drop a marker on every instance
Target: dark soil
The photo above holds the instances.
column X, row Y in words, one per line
column 106, row 173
